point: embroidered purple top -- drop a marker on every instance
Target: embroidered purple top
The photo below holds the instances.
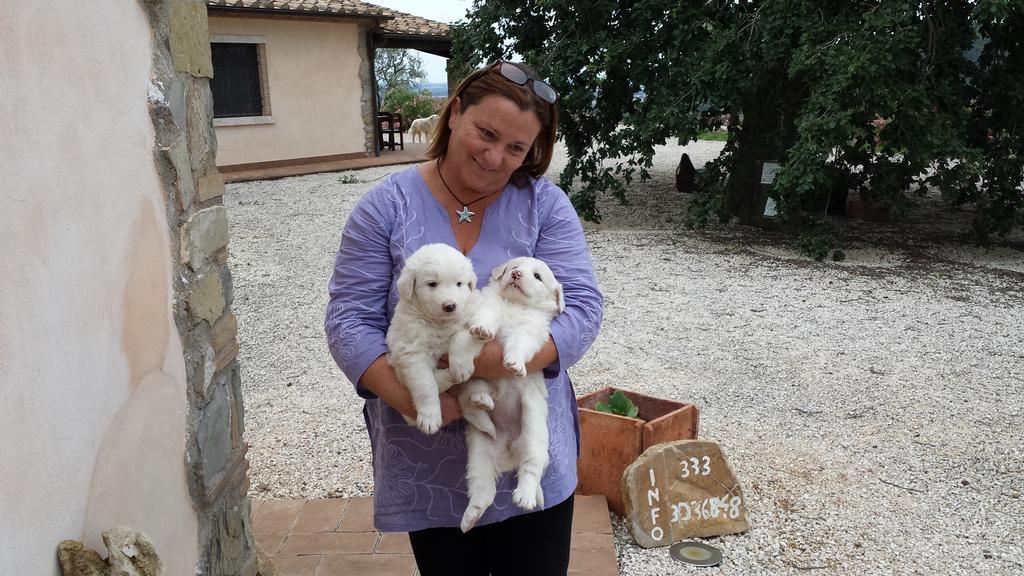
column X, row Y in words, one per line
column 419, row 480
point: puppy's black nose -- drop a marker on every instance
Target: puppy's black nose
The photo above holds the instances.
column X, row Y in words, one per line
column 516, row 274
column 448, row 307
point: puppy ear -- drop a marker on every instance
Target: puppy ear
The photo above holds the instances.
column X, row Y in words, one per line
column 407, row 282
column 469, row 274
column 498, row 272
column 559, row 298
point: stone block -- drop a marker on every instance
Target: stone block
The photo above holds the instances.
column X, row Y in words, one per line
column 213, row 435
column 176, row 101
column 680, row 490
column 224, row 331
column 204, row 234
column 231, row 551
column 190, row 38
column 211, row 186
column 206, row 299
column 202, row 140
column 200, row 363
column 225, row 278
column 129, row 553
column 266, row 563
column 177, row 154
column 221, row 381
column 226, row 355
column 238, row 415
column 164, row 103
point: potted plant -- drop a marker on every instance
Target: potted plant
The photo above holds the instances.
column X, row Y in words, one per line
column 610, row 441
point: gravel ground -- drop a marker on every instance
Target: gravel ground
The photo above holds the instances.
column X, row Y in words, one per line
column 873, row 410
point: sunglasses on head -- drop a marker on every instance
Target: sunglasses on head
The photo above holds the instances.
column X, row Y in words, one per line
column 516, row 75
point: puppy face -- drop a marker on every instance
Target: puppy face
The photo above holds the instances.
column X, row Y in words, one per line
column 437, row 280
column 529, row 282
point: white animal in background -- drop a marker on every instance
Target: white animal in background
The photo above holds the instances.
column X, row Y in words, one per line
column 424, row 128
column 435, row 288
column 516, row 307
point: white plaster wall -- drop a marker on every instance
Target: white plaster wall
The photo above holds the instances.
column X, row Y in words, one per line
column 82, row 221
column 315, row 92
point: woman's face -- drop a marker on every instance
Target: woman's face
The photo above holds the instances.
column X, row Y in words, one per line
column 489, row 141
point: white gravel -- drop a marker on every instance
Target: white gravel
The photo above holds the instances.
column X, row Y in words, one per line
column 872, row 409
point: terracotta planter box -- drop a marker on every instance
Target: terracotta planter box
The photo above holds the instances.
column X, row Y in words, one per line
column 609, row 443
column 868, row 211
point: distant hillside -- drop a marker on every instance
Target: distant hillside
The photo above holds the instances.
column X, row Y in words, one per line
column 436, row 88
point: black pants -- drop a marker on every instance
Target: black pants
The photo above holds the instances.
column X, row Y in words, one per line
column 533, row 544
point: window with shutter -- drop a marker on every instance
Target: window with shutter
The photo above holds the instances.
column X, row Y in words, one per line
column 237, row 84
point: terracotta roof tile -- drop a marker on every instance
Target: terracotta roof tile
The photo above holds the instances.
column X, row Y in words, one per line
column 339, row 7
column 393, row 22
column 413, row 25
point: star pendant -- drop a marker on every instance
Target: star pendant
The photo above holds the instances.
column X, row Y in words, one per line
column 465, row 215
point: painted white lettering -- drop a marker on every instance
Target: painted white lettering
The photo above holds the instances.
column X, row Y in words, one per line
column 653, row 496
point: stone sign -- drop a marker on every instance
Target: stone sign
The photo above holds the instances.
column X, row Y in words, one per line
column 680, row 490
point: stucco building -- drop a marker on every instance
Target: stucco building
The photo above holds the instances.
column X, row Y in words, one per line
column 293, row 80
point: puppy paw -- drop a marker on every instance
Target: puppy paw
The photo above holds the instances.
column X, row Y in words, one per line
column 480, row 420
column 471, row 516
column 517, row 367
column 482, row 400
column 460, row 372
column 482, row 333
column 526, row 497
column 444, row 378
column 428, row 421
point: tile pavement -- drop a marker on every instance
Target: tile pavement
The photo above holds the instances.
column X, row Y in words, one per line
column 335, row 537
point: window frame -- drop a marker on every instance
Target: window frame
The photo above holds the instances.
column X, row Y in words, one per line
column 266, row 117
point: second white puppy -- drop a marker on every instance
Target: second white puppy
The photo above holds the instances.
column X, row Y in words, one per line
column 517, row 307
column 435, row 289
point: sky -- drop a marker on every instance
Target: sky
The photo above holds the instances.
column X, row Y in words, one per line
column 447, row 11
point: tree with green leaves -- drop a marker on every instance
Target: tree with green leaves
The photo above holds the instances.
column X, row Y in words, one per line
column 396, row 68
column 881, row 97
column 411, row 105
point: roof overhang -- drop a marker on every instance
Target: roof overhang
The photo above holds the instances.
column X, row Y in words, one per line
column 436, row 45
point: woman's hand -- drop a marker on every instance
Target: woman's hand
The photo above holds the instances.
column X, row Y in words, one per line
column 380, row 379
column 450, row 409
column 490, row 364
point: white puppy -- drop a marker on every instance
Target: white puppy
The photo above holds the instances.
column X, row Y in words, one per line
column 516, row 308
column 435, row 287
column 423, row 127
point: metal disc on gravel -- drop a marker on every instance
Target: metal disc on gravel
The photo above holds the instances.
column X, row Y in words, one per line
column 696, row 553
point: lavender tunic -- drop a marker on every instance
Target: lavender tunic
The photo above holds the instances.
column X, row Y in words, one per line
column 419, row 480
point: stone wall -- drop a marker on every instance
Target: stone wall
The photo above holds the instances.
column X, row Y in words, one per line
column 367, row 102
column 181, row 107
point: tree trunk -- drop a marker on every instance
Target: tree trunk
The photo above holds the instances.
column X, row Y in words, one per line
column 767, row 132
column 744, row 194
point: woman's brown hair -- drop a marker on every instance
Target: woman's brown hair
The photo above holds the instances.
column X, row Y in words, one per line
column 489, row 81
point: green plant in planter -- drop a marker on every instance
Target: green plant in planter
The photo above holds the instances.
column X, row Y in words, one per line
column 618, row 404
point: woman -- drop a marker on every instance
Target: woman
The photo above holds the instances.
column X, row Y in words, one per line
column 482, row 192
